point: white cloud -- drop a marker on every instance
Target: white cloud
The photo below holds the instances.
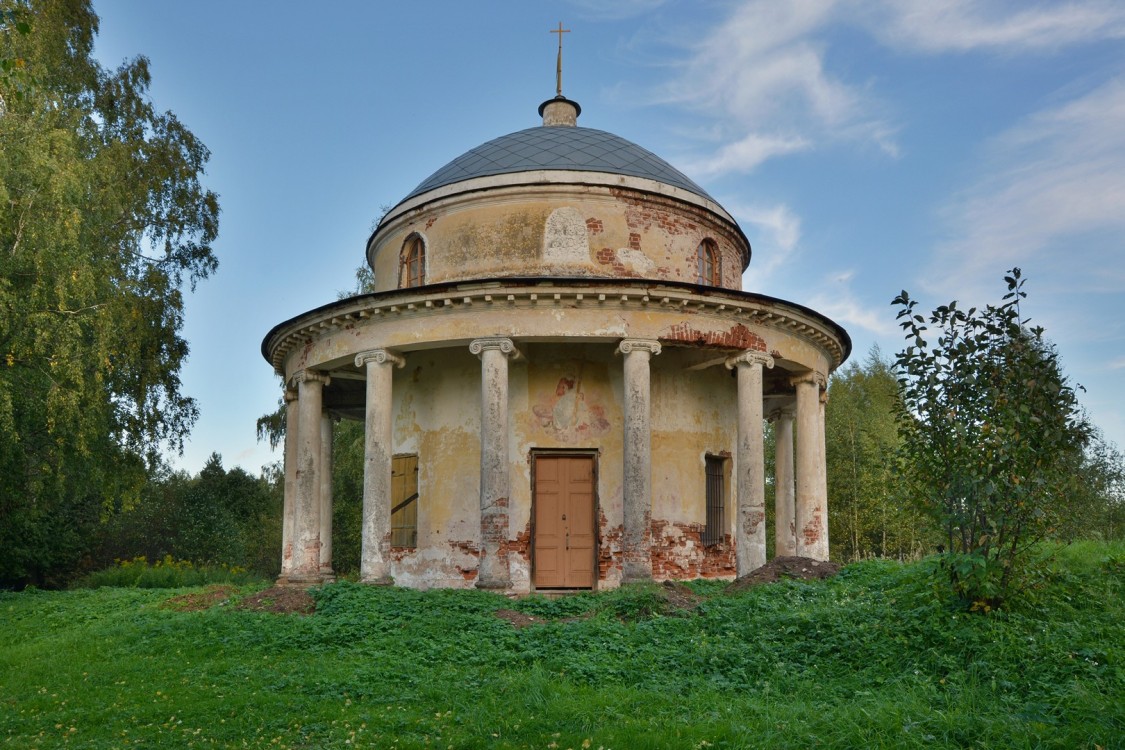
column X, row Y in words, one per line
column 744, row 155
column 762, row 71
column 1117, row 364
column 838, row 301
column 935, row 26
column 1050, row 185
column 777, row 231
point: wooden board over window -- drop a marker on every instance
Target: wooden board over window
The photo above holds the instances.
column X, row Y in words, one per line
column 404, row 501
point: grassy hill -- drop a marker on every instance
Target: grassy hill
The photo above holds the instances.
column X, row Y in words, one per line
column 870, row 658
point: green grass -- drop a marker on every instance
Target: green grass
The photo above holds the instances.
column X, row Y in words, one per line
column 869, row 659
column 164, row 574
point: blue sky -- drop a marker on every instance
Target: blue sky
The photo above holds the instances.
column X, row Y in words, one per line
column 865, row 146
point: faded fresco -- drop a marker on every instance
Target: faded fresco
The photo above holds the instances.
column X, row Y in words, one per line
column 574, row 412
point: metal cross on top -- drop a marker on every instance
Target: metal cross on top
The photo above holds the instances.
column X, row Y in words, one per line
column 558, row 65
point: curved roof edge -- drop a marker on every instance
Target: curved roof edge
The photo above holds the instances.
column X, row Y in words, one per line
column 558, row 147
column 845, row 340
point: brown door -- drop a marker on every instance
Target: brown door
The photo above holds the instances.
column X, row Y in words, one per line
column 563, row 549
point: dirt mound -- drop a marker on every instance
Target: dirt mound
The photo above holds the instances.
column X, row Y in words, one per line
column 801, row 568
column 212, row 596
column 679, row 597
column 519, row 619
column 280, row 599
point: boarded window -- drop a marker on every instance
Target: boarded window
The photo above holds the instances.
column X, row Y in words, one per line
column 404, row 501
column 716, row 502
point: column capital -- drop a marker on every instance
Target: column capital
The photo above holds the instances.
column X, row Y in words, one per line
column 310, row 376
column 812, row 376
column 750, row 357
column 627, row 346
column 380, row 357
column 289, row 394
column 783, row 412
column 500, row 343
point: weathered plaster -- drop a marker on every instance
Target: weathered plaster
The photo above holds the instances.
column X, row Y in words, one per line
column 568, row 268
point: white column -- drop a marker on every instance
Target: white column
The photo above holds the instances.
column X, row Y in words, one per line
column 811, row 498
column 326, row 572
column 493, row 572
column 378, row 450
column 306, row 529
column 785, row 528
column 636, row 485
column 750, row 514
column 822, row 466
column 288, row 512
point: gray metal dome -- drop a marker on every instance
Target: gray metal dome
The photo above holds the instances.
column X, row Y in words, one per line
column 558, row 148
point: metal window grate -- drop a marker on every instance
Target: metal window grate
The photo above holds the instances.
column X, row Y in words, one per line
column 713, row 531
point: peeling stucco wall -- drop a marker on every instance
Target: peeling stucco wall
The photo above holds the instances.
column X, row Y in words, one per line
column 559, row 230
column 561, row 396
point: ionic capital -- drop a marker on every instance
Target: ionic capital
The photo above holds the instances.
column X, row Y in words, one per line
column 627, row 346
column 787, row 413
column 499, row 343
column 290, row 395
column 750, row 357
column 380, row 357
column 310, row 376
column 812, row 376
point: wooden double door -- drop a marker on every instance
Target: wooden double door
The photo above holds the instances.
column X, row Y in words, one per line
column 563, row 507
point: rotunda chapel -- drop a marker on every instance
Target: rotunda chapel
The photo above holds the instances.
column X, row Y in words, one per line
column 563, row 384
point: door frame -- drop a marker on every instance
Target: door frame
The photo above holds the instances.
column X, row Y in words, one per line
column 593, row 454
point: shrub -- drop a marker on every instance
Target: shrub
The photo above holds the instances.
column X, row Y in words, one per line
column 991, row 434
column 164, row 573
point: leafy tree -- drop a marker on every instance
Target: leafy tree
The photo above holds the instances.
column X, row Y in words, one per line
column 347, row 495
column 103, row 220
column 868, row 516
column 215, row 517
column 1095, row 494
column 991, row 431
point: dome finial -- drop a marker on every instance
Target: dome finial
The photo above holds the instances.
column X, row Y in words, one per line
column 558, row 64
column 560, row 111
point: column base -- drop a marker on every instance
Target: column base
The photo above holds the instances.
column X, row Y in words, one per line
column 378, row 581
column 303, row 581
column 494, row 585
column 636, row 572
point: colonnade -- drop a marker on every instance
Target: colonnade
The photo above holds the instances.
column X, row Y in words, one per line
column 801, row 511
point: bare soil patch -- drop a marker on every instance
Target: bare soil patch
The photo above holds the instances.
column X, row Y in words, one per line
column 679, row 597
column 520, row 619
column 281, row 600
column 212, row 596
column 800, row 568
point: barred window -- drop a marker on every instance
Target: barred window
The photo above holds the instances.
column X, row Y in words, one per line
column 716, row 501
